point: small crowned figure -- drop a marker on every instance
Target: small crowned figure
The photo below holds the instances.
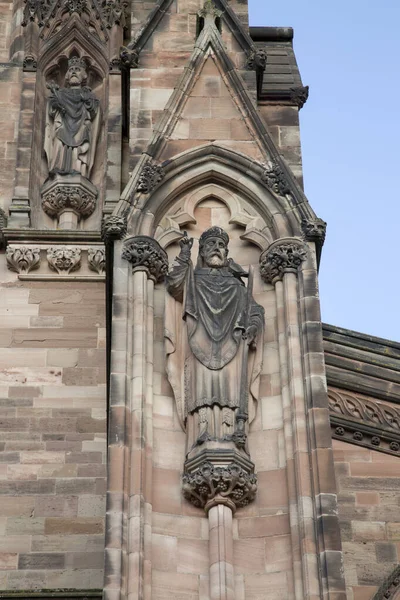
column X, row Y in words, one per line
column 72, row 123
column 214, row 343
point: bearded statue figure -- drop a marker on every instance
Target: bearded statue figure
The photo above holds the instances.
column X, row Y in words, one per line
column 214, row 343
column 72, row 123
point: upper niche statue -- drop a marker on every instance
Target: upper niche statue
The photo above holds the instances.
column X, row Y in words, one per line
column 214, row 345
column 72, row 123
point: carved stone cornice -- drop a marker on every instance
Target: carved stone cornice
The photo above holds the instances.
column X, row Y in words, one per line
column 210, row 485
column 64, row 259
column 314, row 230
column 275, row 179
column 299, row 95
column 390, row 587
column 145, row 254
column 150, row 176
column 22, row 259
column 283, row 256
column 364, row 422
column 97, row 260
column 113, row 228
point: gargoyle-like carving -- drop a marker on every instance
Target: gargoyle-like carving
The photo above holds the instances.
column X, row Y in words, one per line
column 22, row 259
column 299, row 95
column 150, row 176
column 64, row 259
column 113, row 228
column 280, row 259
column 69, row 197
column 211, row 484
column 145, row 254
column 257, row 60
column 275, row 179
column 29, row 63
column 314, row 230
column 97, row 260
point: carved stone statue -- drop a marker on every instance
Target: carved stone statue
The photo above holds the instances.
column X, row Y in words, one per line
column 214, row 344
column 72, row 123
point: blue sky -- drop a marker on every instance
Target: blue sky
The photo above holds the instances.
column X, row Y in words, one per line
column 348, row 53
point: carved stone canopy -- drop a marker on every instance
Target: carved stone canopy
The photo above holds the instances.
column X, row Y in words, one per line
column 145, row 254
column 283, row 256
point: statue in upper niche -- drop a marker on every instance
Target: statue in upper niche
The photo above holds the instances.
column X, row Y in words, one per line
column 214, row 342
column 72, row 123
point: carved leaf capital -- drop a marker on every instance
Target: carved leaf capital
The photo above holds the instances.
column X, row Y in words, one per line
column 145, row 253
column 285, row 257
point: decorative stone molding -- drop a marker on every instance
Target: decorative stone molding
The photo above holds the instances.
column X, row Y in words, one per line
column 364, row 422
column 97, row 259
column 275, row 179
column 113, row 228
column 149, row 178
column 64, row 259
column 210, row 485
column 22, row 259
column 314, row 230
column 76, row 195
column 390, row 588
column 299, row 95
column 257, row 60
column 280, row 258
column 29, row 63
column 145, row 254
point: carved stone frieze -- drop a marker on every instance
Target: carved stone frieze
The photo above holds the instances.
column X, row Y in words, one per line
column 22, row 259
column 150, row 176
column 275, row 179
column 299, row 95
column 314, row 230
column 281, row 258
column 210, row 485
column 113, row 228
column 257, row 60
column 59, row 196
column 64, row 259
column 97, row 259
column 366, row 410
column 145, row 254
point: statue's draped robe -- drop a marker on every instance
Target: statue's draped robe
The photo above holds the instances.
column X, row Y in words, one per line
column 204, row 329
column 72, row 129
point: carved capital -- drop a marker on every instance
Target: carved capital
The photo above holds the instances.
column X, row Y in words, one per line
column 257, row 60
column 150, row 176
column 64, row 259
column 145, row 254
column 280, row 258
column 59, row 196
column 314, row 230
column 113, row 228
column 209, row 485
column 97, row 260
column 299, row 95
column 23, row 259
column 275, row 179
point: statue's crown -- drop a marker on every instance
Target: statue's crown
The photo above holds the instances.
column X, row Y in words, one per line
column 214, row 232
column 75, row 61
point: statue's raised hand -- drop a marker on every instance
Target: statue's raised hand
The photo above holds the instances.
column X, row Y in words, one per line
column 186, row 244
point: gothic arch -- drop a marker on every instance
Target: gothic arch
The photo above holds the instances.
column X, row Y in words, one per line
column 390, row 588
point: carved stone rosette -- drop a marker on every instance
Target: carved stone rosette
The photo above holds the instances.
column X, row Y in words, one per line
column 314, row 230
column 150, row 176
column 23, row 259
column 97, row 260
column 280, row 258
column 63, row 259
column 113, row 228
column 145, row 254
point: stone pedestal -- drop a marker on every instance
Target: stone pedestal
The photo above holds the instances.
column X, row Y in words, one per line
column 69, row 198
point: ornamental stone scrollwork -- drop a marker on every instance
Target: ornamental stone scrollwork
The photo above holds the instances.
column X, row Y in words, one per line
column 280, row 258
column 149, row 178
column 145, row 254
column 275, row 179
column 23, row 259
column 299, row 95
column 257, row 60
column 97, row 260
column 314, row 230
column 64, row 259
column 210, row 485
column 113, row 228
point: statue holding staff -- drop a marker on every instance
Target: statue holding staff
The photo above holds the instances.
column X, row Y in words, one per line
column 214, row 332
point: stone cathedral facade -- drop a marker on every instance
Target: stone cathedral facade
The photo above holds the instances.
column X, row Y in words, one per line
column 176, row 423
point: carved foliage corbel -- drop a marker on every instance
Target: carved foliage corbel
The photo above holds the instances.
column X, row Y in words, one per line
column 97, row 260
column 64, row 259
column 23, row 259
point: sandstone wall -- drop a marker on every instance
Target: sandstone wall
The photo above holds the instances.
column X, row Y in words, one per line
column 52, row 434
column 368, row 487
